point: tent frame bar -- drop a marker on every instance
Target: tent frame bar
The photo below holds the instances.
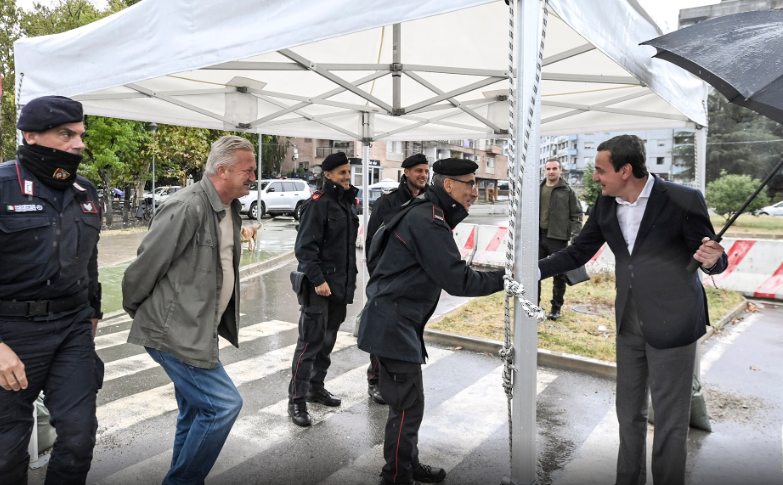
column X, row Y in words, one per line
column 456, row 92
column 610, row 102
column 567, row 54
column 180, row 103
column 620, row 111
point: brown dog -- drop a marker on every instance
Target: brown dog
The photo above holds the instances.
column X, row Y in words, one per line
column 250, row 235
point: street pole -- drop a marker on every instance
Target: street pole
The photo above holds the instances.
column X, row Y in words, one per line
column 154, row 128
column 527, row 102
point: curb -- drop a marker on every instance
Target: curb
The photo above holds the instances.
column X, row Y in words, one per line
column 559, row 360
column 257, row 267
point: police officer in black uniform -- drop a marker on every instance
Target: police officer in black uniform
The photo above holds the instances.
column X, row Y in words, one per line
column 416, row 176
column 419, row 260
column 326, row 250
column 50, row 300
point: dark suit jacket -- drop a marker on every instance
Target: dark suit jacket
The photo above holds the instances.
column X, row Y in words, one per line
column 670, row 302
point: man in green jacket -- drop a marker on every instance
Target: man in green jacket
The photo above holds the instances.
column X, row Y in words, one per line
column 183, row 291
column 560, row 221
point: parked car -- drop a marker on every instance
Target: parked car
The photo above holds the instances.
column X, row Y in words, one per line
column 278, row 196
column 771, row 210
column 375, row 194
column 163, row 193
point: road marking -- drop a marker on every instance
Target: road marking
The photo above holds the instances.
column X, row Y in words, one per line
column 450, row 432
column 723, row 343
column 141, row 362
column 111, row 340
column 255, row 433
column 131, row 410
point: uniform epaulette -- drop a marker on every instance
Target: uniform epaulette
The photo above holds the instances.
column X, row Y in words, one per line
column 317, row 195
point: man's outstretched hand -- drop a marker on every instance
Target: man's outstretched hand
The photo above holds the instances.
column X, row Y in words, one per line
column 12, row 375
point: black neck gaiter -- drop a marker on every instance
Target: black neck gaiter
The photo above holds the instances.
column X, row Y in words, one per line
column 54, row 168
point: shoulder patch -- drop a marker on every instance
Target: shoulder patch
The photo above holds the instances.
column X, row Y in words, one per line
column 437, row 214
column 318, row 195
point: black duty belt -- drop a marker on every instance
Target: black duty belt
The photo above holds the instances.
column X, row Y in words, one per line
column 41, row 308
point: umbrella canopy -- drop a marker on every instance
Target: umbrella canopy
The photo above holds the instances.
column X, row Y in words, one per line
column 330, row 69
column 740, row 55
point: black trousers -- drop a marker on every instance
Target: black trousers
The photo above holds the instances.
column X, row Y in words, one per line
column 59, row 358
column 547, row 246
column 373, row 370
column 318, row 325
column 403, row 390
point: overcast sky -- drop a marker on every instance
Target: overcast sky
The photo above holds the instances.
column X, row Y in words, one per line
column 661, row 10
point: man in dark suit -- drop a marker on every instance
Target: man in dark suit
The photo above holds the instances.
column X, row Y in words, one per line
column 653, row 228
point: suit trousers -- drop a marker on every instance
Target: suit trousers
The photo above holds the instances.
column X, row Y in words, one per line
column 402, row 388
column 668, row 375
column 546, row 247
column 318, row 325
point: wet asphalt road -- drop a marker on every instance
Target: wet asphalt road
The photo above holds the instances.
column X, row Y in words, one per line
column 465, row 428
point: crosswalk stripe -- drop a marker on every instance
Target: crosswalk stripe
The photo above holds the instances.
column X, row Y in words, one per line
column 131, row 410
column 111, row 340
column 114, row 321
column 255, row 433
column 450, row 432
column 141, row 362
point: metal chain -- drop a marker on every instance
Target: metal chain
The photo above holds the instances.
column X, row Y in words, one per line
column 513, row 288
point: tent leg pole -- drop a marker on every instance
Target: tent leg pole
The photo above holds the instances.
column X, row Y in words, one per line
column 700, row 152
column 397, row 73
column 527, row 39
column 367, row 132
column 258, row 178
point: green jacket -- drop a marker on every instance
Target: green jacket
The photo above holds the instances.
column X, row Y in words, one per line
column 172, row 289
column 565, row 212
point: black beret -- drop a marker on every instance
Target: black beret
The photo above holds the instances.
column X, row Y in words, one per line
column 48, row 112
column 454, row 166
column 414, row 160
column 334, row 160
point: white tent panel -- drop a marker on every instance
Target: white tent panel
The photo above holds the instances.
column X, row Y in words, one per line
column 311, row 68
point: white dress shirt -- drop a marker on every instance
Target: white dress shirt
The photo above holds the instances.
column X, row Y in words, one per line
column 630, row 215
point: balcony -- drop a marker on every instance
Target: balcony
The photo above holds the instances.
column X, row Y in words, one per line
column 567, row 151
column 323, row 152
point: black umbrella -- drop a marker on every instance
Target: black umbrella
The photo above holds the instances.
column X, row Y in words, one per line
column 741, row 55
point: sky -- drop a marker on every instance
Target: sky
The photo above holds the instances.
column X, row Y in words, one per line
column 661, row 10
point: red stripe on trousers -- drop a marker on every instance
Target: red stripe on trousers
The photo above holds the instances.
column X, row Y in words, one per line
column 297, row 368
column 397, row 452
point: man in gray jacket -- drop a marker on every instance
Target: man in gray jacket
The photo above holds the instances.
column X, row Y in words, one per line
column 183, row 291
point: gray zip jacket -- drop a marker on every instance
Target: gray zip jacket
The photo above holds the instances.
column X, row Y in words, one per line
column 173, row 287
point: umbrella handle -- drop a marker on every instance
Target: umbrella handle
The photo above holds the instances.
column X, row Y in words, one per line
column 694, row 265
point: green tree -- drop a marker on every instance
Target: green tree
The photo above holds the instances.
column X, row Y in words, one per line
column 9, row 33
column 275, row 149
column 684, row 156
column 592, row 189
column 727, row 194
column 114, row 146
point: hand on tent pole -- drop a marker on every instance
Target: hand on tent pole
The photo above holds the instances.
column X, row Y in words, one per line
column 708, row 253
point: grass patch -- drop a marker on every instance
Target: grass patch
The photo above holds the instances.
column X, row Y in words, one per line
column 574, row 333
column 750, row 223
column 119, row 232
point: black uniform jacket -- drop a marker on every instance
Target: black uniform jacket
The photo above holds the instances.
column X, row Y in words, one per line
column 326, row 242
column 385, row 207
column 420, row 259
column 670, row 302
column 49, row 247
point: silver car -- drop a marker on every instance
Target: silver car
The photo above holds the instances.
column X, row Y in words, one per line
column 771, row 210
column 278, row 197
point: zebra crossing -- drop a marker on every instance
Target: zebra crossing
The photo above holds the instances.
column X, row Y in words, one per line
column 464, row 429
column 135, row 432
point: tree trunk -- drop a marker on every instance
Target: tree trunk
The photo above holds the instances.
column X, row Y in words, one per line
column 107, row 196
column 126, row 204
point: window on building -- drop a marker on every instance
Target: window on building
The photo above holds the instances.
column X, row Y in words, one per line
column 588, row 160
column 308, row 140
column 304, row 165
column 661, row 143
column 589, row 145
column 490, row 164
column 659, row 161
column 389, row 146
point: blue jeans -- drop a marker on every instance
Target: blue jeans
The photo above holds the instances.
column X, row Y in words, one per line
column 209, row 403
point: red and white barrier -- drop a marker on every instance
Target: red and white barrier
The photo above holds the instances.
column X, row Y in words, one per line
column 755, row 268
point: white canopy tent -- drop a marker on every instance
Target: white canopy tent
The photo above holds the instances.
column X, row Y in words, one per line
column 381, row 70
column 318, row 68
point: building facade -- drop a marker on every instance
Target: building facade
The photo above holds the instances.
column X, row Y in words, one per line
column 386, row 158
column 576, row 152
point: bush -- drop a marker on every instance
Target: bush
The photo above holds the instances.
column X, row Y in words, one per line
column 727, row 194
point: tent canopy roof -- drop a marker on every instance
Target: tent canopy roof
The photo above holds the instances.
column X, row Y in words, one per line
column 322, row 68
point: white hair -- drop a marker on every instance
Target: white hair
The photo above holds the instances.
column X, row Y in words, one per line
column 222, row 152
